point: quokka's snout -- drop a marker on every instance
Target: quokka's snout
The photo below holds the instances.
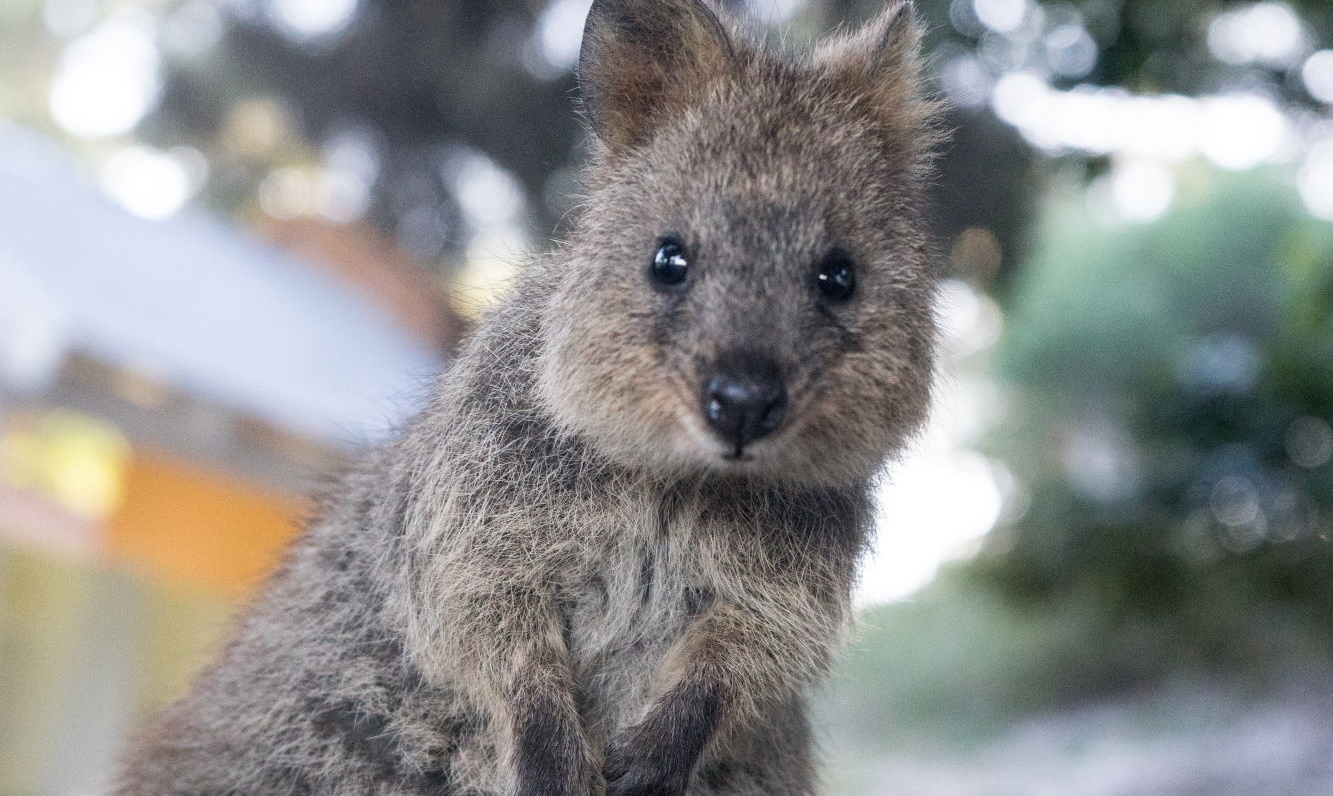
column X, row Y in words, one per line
column 744, row 398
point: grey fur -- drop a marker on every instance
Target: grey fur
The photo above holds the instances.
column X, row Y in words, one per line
column 555, row 572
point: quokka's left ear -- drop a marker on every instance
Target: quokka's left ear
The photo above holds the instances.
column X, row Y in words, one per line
column 643, row 60
column 882, row 65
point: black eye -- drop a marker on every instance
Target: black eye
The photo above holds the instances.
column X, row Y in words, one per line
column 670, row 265
column 836, row 279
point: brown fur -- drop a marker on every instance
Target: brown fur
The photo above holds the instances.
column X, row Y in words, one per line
column 554, row 582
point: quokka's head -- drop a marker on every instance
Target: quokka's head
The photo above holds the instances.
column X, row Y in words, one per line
column 747, row 290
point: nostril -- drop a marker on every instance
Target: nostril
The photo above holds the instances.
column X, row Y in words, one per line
column 775, row 408
column 714, row 407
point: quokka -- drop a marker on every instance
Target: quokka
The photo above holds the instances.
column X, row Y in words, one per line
column 616, row 550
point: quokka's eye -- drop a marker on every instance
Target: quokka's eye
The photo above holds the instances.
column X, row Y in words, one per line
column 670, row 265
column 836, row 278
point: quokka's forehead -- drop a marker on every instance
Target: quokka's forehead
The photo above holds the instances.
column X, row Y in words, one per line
column 777, row 199
column 790, row 153
column 760, row 134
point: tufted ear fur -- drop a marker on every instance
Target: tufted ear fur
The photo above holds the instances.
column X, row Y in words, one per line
column 644, row 59
column 881, row 64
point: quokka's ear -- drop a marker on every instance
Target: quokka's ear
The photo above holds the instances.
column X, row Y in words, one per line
column 643, row 60
column 881, row 64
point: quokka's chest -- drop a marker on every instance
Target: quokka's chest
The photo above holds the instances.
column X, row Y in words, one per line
column 648, row 593
column 635, row 598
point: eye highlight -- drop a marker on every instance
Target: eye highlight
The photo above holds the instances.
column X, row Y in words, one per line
column 670, row 264
column 836, row 278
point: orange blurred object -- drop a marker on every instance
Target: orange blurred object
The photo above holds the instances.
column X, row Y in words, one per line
column 197, row 527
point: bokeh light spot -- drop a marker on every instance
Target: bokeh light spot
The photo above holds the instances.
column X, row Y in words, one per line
column 312, row 19
column 1267, row 33
column 1001, row 16
column 150, row 183
column 1309, row 442
column 1317, row 74
column 1314, row 180
column 1142, row 191
column 106, row 80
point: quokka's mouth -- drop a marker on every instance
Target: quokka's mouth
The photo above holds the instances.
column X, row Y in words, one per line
column 738, row 455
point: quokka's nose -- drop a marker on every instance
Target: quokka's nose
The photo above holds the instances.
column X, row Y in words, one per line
column 744, row 400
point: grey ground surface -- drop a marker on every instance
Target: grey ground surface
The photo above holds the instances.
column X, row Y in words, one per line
column 1182, row 740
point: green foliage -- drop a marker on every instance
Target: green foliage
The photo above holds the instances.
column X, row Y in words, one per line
column 1171, row 392
column 953, row 664
column 954, row 668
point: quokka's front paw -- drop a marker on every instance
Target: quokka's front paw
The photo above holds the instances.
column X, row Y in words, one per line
column 637, row 772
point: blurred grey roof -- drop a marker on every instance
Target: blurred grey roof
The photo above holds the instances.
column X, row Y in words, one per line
column 197, row 304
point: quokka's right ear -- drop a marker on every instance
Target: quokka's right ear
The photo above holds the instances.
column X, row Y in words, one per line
column 645, row 59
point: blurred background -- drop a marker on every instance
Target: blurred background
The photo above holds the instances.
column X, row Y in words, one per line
column 237, row 237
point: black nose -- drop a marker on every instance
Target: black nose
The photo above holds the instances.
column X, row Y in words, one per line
column 744, row 399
